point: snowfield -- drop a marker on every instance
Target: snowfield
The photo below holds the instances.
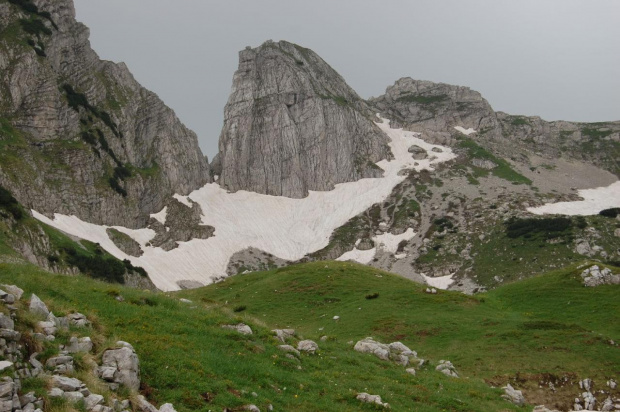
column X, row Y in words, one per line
column 287, row 228
column 595, row 200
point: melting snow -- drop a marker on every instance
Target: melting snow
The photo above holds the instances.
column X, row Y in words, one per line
column 441, row 282
column 161, row 216
column 595, row 200
column 386, row 242
column 465, row 131
column 183, row 199
column 287, row 228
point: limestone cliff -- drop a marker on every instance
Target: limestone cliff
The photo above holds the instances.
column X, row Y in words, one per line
column 292, row 124
column 79, row 135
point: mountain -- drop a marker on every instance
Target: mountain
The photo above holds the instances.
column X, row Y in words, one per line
column 79, row 135
column 292, row 124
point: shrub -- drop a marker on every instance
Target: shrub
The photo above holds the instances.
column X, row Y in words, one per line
column 548, row 228
column 613, row 212
column 139, row 270
column 117, row 187
column 99, row 267
column 10, row 204
column 36, row 27
column 372, row 296
column 122, row 172
column 239, row 308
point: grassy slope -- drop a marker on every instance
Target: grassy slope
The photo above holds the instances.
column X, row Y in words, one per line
column 184, row 353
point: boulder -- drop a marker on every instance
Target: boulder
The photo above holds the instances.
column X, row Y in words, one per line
column 4, row 365
column 513, row 395
column 307, row 346
column 66, row 384
column 13, row 290
column 167, row 407
column 78, row 319
column 38, row 307
column 417, row 152
column 368, row 398
column 120, row 366
column 242, row 328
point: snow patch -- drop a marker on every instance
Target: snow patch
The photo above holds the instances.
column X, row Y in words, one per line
column 161, row 216
column 287, row 228
column 465, row 131
column 184, row 200
column 389, row 242
column 441, row 282
column 360, row 256
column 595, row 200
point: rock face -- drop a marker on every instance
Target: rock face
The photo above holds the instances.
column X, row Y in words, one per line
column 84, row 137
column 292, row 124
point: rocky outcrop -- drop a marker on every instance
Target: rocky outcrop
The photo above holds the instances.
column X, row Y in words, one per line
column 292, row 125
column 83, row 137
column 594, row 276
column 435, row 108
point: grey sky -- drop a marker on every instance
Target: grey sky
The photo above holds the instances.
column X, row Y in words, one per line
column 558, row 59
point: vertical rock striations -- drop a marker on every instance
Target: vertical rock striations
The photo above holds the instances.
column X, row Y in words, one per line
column 292, row 124
column 79, row 135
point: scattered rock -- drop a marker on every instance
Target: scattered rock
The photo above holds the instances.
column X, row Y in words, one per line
column 4, row 365
column 241, row 328
column 417, row 152
column 513, row 395
column 484, row 164
column 395, row 351
column 376, row 399
column 410, row 371
column 307, row 346
column 77, row 319
column 288, row 348
column 283, row 334
column 66, row 384
column 447, row 368
column 594, row 276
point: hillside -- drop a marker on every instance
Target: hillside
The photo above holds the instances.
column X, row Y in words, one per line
column 188, row 359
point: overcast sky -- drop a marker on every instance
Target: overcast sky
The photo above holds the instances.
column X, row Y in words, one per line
column 558, row 59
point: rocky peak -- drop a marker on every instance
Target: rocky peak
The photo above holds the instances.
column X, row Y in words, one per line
column 435, row 108
column 292, row 124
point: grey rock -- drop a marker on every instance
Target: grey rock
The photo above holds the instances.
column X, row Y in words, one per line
column 73, row 397
column 121, row 366
column 307, row 346
column 417, row 152
column 167, row 407
column 78, row 319
column 375, row 399
column 284, row 334
column 484, row 164
column 292, row 125
column 13, row 290
column 124, row 242
column 410, row 371
column 513, row 395
column 241, row 328
column 594, row 276
column 142, row 405
column 6, row 322
column 251, row 408
column 447, row 368
column 38, row 307
column 288, row 348
column 92, row 400
column 6, row 388
column 66, row 384
column 395, row 351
